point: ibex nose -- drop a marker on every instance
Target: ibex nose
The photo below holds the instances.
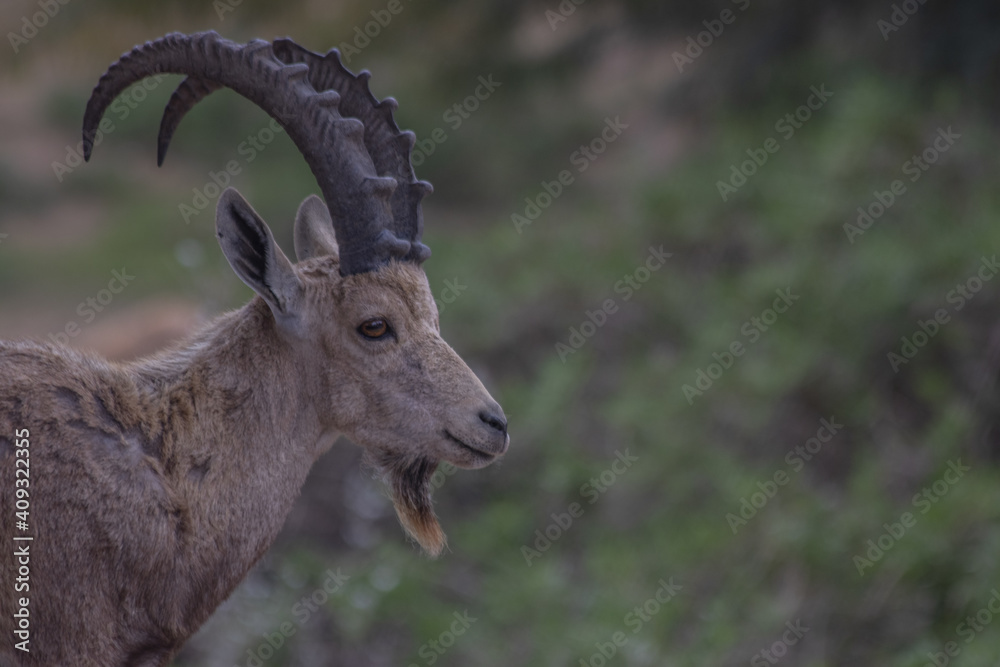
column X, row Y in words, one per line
column 494, row 420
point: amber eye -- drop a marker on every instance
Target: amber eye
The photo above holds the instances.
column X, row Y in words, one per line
column 375, row 328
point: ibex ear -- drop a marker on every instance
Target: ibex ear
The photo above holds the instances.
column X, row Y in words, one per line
column 314, row 235
column 250, row 248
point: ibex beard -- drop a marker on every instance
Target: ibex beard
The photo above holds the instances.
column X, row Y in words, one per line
column 409, row 484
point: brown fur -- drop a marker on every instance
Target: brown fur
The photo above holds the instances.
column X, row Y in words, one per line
column 156, row 485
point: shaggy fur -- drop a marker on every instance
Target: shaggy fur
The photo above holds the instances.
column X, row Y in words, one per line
column 156, row 485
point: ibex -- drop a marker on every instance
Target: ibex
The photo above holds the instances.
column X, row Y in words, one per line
column 154, row 486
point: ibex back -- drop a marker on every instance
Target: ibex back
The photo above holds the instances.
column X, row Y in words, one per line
column 154, row 486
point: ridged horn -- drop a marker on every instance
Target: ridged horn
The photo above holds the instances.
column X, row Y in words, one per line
column 334, row 147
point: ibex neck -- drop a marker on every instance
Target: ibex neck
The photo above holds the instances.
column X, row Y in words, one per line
column 239, row 435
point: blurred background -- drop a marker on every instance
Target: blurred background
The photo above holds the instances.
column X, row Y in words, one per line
column 778, row 444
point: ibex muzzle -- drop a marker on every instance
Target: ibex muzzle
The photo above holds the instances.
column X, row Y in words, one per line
column 156, row 485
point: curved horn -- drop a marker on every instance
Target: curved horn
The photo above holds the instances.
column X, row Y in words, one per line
column 388, row 147
column 191, row 91
column 333, row 146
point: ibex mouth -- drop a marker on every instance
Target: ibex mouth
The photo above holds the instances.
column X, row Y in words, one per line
column 478, row 453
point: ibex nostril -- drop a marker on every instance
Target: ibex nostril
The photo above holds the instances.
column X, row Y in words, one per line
column 498, row 423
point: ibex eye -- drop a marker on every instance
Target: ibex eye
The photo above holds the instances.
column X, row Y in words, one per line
column 374, row 328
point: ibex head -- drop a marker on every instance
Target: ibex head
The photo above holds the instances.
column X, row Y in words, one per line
column 355, row 313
